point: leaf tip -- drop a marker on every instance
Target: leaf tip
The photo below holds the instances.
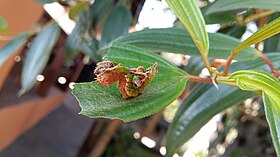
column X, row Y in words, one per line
column 21, row 92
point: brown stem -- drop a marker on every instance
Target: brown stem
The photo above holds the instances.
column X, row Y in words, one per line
column 105, row 138
column 227, row 65
column 268, row 62
column 200, row 79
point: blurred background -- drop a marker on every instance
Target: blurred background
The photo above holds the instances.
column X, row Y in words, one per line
column 46, row 122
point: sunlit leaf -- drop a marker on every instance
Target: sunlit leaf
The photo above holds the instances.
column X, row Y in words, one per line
column 10, row 48
column 100, row 101
column 262, row 34
column 226, row 5
column 116, row 24
column 190, row 15
column 176, row 40
column 38, row 56
column 272, row 112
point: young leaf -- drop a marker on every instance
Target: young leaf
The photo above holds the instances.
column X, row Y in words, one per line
column 100, row 101
column 116, row 24
column 226, row 5
column 259, row 82
column 10, row 48
column 272, row 112
column 206, row 101
column 176, row 40
column 262, row 34
column 190, row 15
column 38, row 56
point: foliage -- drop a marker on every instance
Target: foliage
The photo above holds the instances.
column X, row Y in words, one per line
column 253, row 74
column 38, row 56
column 108, row 102
column 9, row 49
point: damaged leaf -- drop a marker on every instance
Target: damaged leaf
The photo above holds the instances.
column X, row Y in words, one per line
column 131, row 82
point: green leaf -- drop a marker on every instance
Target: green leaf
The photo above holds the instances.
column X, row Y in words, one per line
column 269, row 86
column 220, row 18
column 190, row 15
column 116, row 24
column 75, row 10
column 99, row 11
column 206, row 101
column 179, row 41
column 226, row 5
column 235, row 31
column 100, row 101
column 10, row 48
column 79, row 33
column 202, row 104
column 262, row 34
column 46, row 1
column 272, row 44
column 195, row 66
column 272, row 112
column 3, row 24
column 258, row 81
column 89, row 47
column 38, row 56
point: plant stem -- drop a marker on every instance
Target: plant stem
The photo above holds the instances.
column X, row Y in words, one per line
column 226, row 80
column 267, row 61
column 218, row 79
column 208, row 65
column 200, row 79
column 274, row 71
column 259, row 15
column 227, row 65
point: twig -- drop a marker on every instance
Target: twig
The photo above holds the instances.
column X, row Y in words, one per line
column 259, row 15
column 228, row 62
column 105, row 138
column 200, row 79
column 268, row 62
